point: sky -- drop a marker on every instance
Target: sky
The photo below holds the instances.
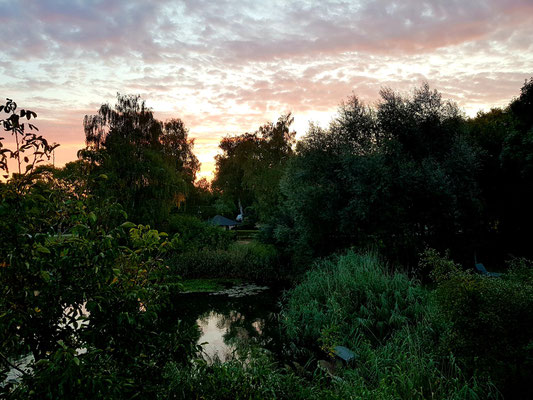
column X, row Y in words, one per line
column 225, row 67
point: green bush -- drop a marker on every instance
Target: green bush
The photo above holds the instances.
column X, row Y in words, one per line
column 60, row 259
column 492, row 325
column 256, row 378
column 195, row 234
column 356, row 294
column 253, row 260
column 388, row 321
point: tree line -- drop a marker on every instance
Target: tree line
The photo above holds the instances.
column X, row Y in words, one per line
column 407, row 174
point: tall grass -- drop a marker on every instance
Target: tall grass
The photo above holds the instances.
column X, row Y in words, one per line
column 355, row 300
column 390, row 323
column 254, row 376
column 354, row 295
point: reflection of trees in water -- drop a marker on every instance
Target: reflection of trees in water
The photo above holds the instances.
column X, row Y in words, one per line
column 238, row 328
column 240, row 321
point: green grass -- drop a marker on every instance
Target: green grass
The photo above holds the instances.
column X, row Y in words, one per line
column 208, row 285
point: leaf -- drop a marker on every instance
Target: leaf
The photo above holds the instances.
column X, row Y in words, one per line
column 92, row 218
column 26, row 159
column 42, row 249
column 45, row 275
column 128, row 225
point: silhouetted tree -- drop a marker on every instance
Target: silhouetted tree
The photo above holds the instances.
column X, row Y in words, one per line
column 397, row 177
column 149, row 164
column 251, row 165
column 505, row 140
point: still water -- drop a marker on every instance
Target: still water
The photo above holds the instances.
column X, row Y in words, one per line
column 236, row 317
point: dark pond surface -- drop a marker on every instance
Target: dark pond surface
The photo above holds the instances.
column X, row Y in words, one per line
column 233, row 318
column 238, row 316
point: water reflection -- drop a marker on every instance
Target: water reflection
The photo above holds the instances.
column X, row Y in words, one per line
column 222, row 334
column 227, row 323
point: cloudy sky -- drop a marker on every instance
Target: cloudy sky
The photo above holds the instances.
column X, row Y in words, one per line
column 228, row 66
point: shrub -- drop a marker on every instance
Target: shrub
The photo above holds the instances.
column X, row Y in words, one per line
column 492, row 325
column 195, row 234
column 388, row 321
column 60, row 261
column 355, row 293
column 253, row 260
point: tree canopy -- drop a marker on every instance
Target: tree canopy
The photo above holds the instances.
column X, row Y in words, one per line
column 251, row 165
column 149, row 164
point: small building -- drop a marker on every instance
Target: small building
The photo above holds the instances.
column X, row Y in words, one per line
column 226, row 223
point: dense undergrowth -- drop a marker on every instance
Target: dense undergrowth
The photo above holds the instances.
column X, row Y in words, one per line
column 392, row 324
column 388, row 320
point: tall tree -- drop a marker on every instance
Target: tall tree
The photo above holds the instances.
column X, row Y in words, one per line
column 397, row 177
column 505, row 140
column 251, row 165
column 149, row 164
column 178, row 147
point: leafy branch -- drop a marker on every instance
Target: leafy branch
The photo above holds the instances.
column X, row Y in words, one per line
column 25, row 139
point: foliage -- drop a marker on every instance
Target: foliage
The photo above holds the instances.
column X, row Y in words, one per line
column 408, row 367
column 435, row 266
column 491, row 323
column 257, row 378
column 250, row 167
column 150, row 164
column 399, row 370
column 196, row 235
column 388, row 321
column 405, row 364
column 505, row 140
column 25, row 141
column 370, row 181
column 253, row 260
column 90, row 295
column 201, row 199
column 73, row 279
column 356, row 295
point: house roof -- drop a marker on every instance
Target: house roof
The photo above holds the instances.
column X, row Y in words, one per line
column 219, row 220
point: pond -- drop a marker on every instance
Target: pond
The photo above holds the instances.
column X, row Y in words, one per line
column 229, row 319
column 239, row 315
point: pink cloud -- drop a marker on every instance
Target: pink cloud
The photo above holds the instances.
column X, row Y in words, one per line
column 229, row 66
